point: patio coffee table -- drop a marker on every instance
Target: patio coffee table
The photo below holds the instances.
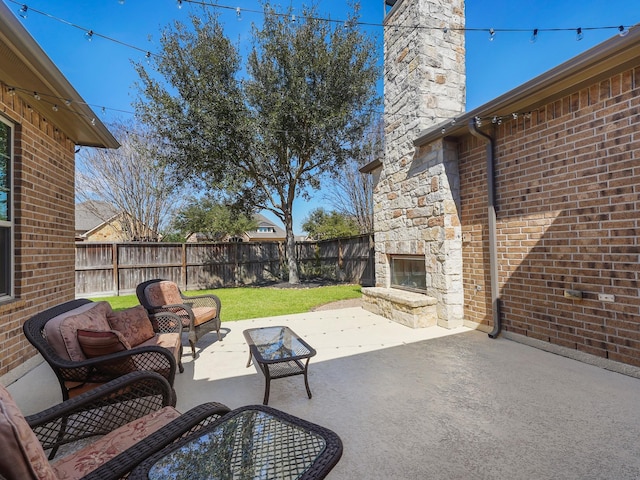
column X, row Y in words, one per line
column 252, row 442
column 279, row 353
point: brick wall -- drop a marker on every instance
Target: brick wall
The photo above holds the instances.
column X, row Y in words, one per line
column 43, row 225
column 568, row 203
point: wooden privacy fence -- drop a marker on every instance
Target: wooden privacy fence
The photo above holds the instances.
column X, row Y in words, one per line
column 116, row 268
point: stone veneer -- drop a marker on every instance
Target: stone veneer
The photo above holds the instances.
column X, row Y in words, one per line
column 414, row 310
column 416, row 199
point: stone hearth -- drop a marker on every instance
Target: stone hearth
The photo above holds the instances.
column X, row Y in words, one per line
column 414, row 310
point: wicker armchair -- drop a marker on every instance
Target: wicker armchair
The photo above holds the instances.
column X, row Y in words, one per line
column 78, row 376
column 133, row 414
column 200, row 314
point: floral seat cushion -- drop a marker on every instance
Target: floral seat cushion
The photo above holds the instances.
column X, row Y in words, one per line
column 87, row 459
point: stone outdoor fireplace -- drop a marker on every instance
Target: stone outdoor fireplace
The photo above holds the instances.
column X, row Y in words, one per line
column 418, row 234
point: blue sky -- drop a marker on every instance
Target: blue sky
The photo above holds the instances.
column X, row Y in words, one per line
column 101, row 71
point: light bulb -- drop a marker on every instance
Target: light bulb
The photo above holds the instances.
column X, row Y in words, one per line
column 67, row 103
column 534, row 36
column 238, row 13
column 54, row 108
column 179, row 3
column 36, row 95
column 293, row 19
column 89, row 35
column 445, row 30
column 492, row 34
column 622, row 31
column 478, row 121
column 11, row 91
column 23, row 11
column 579, row 34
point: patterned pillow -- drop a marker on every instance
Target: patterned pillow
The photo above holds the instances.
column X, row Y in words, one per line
column 22, row 454
column 96, row 343
column 133, row 323
column 94, row 318
column 163, row 293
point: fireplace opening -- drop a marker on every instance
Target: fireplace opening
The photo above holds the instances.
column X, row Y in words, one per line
column 408, row 272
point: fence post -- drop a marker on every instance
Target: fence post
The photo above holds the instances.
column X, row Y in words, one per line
column 183, row 273
column 114, row 261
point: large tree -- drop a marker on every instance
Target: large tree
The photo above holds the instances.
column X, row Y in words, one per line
column 131, row 180
column 267, row 139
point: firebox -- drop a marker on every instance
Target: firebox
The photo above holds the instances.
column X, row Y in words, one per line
column 408, row 272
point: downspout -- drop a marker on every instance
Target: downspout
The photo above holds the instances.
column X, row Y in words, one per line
column 493, row 249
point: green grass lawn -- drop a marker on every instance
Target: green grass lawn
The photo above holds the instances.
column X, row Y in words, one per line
column 253, row 302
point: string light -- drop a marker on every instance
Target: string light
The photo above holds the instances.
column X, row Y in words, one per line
column 534, row 36
column 55, row 101
column 89, row 34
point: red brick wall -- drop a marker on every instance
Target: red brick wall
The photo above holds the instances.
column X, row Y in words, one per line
column 43, row 225
column 568, row 208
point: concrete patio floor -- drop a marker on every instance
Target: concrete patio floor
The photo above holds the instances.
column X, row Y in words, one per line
column 425, row 403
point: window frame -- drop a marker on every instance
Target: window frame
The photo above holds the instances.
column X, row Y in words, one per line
column 7, row 269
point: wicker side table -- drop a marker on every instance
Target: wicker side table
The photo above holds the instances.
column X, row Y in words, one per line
column 248, row 443
column 279, row 353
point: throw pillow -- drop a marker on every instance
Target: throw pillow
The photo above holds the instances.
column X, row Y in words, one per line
column 133, row 323
column 22, row 454
column 99, row 343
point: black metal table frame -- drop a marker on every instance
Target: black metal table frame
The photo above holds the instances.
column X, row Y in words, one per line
column 319, row 469
column 266, row 365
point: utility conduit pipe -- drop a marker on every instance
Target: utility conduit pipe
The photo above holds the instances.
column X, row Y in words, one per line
column 493, row 249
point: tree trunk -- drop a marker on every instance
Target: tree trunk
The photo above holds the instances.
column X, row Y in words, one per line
column 290, row 250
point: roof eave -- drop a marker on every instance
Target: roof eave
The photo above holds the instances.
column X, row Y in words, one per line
column 605, row 59
column 24, row 64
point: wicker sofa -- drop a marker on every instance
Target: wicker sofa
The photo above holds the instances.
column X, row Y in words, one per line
column 87, row 343
column 120, row 424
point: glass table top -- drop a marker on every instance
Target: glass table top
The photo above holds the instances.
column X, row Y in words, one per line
column 250, row 445
column 277, row 343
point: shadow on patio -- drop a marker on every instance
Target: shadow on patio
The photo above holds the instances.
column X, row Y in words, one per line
column 425, row 403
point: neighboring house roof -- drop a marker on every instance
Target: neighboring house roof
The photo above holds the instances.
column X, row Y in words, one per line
column 608, row 58
column 27, row 68
column 267, row 230
column 87, row 220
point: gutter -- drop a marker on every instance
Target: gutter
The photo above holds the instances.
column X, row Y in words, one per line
column 605, row 59
column 491, row 214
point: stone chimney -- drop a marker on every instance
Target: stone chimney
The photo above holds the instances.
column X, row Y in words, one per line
column 416, row 200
